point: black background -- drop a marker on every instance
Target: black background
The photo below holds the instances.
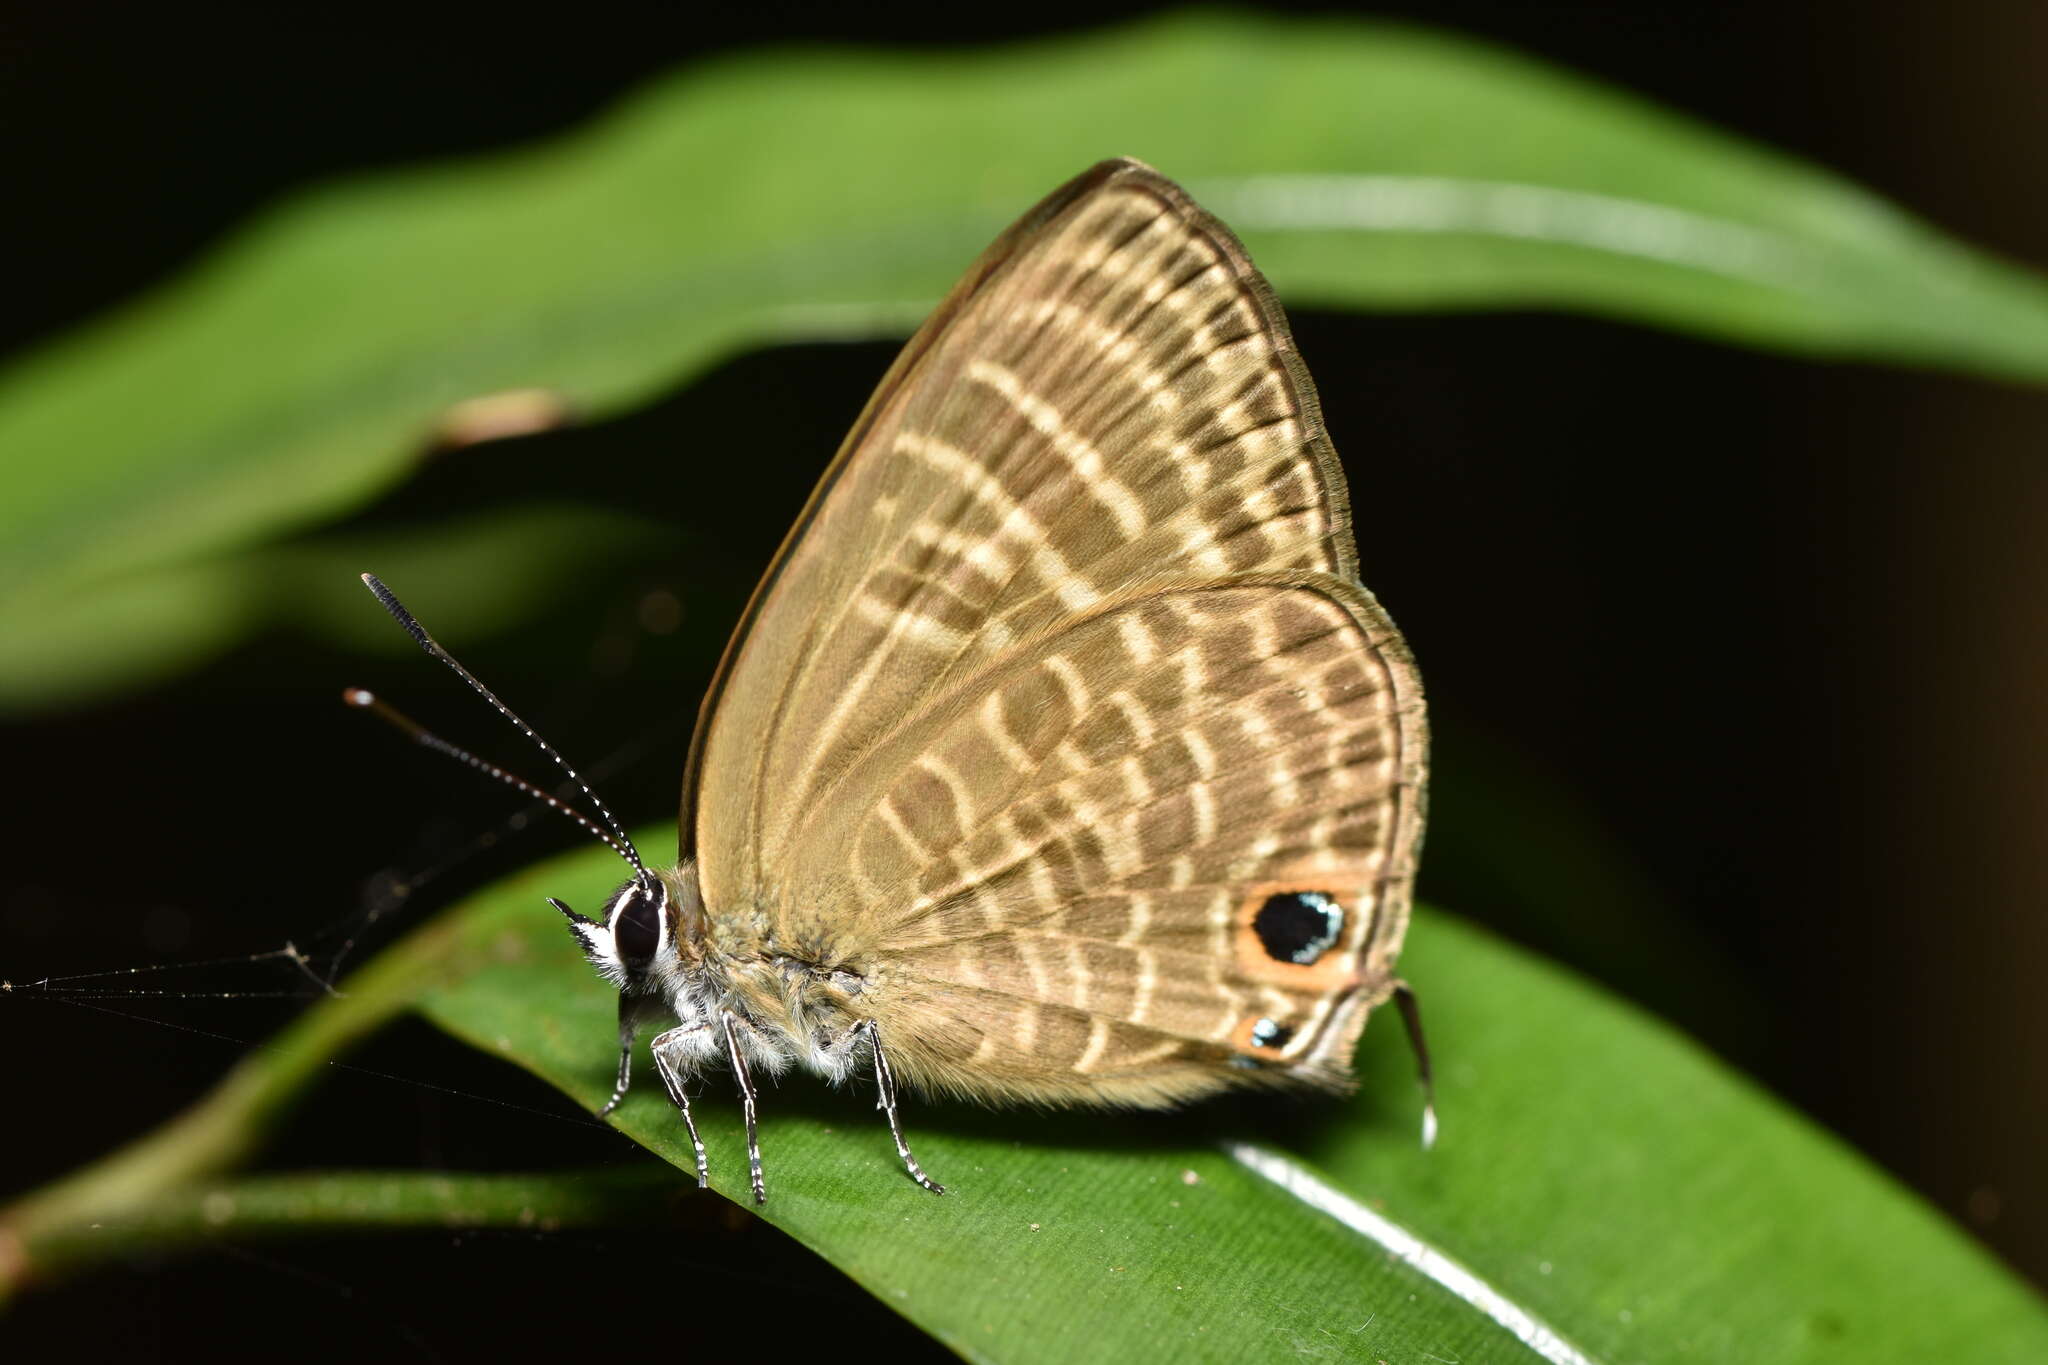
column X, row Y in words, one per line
column 1777, row 625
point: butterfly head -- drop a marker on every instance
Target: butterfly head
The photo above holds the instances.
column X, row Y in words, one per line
column 646, row 928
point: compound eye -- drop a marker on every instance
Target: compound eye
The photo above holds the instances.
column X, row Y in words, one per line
column 636, row 926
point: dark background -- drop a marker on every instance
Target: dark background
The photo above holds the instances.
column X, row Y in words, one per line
column 1775, row 627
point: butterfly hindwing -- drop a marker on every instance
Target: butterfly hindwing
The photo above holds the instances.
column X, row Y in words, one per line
column 1053, row 877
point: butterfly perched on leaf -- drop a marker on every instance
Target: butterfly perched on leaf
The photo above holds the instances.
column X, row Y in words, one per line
column 1060, row 756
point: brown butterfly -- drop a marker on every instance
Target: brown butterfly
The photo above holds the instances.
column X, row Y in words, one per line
column 1060, row 756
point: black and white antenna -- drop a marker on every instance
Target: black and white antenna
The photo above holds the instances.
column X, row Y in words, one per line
column 361, row 697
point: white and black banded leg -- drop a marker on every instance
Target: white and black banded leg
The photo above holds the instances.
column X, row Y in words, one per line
column 627, row 1028
column 668, row 1062
column 745, row 1077
column 885, row 1083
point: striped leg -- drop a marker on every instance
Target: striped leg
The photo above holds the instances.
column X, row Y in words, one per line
column 885, row 1082
column 745, row 1077
column 669, row 1058
column 627, row 1028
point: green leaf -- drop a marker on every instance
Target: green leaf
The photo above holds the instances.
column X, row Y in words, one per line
column 492, row 570
column 813, row 194
column 1599, row 1179
column 310, row 1204
column 1603, row 1191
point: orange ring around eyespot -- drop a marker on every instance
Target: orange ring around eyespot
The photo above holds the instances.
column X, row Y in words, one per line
column 1241, row 1038
column 1336, row 969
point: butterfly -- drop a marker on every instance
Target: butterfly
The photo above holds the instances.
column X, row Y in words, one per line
column 1060, row 756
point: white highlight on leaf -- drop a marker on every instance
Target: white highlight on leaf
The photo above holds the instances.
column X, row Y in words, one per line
column 1504, row 208
column 864, row 320
column 1410, row 1249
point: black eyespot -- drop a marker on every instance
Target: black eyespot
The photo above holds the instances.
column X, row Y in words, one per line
column 636, row 926
column 1299, row 926
column 1266, row 1033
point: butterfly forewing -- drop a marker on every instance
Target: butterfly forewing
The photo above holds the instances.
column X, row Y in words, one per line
column 1063, row 675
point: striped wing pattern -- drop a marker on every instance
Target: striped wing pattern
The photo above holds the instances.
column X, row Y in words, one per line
column 1082, row 572
column 1068, row 862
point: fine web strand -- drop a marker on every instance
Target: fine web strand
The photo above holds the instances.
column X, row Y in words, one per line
column 315, row 971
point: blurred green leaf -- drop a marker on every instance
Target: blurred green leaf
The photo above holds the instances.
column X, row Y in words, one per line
column 490, row 570
column 1598, row 1174
column 815, row 194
